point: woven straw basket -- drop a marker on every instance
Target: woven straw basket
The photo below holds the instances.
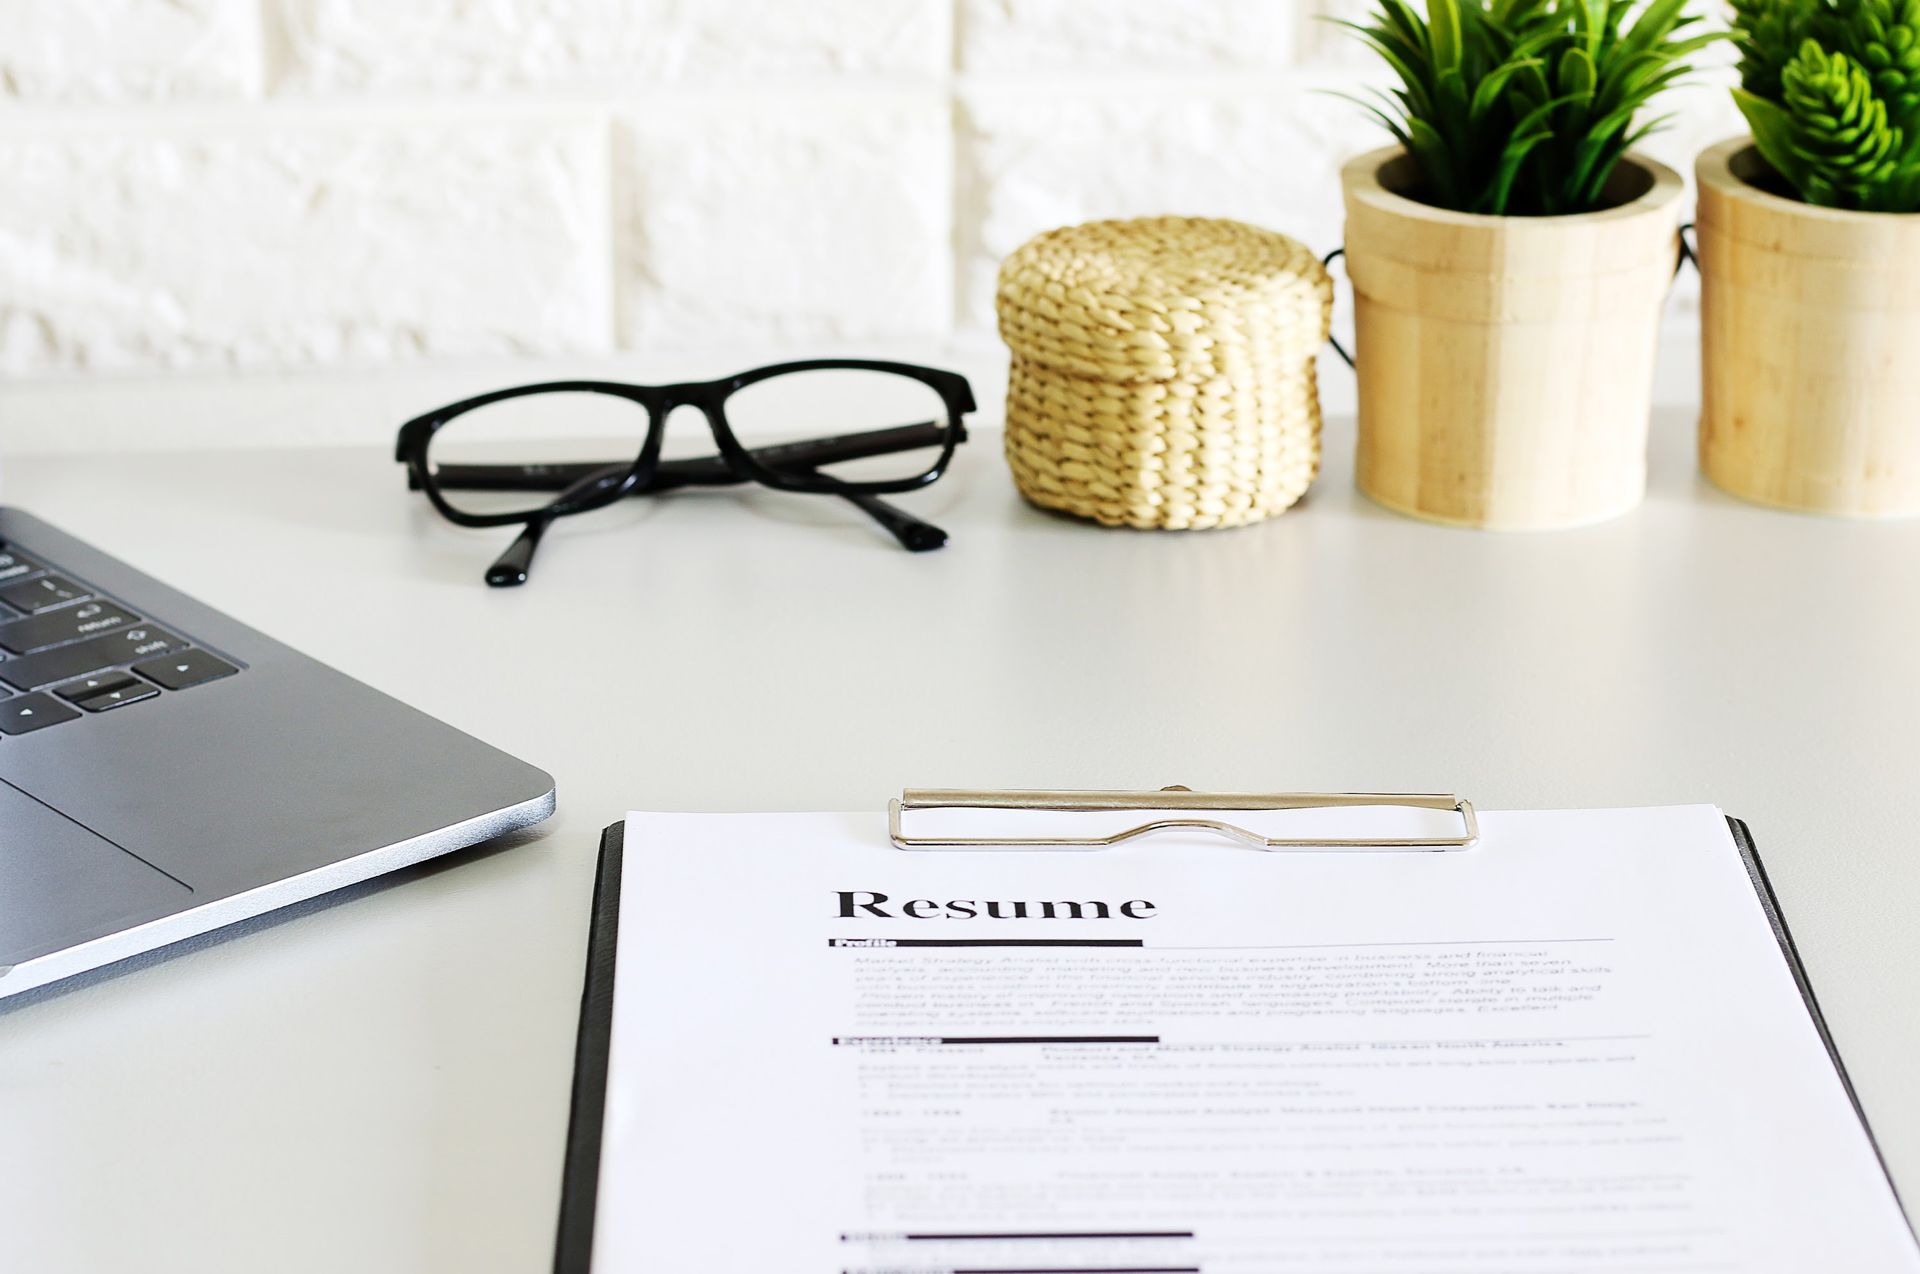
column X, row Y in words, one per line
column 1163, row 371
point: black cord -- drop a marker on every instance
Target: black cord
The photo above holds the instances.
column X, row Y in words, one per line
column 1333, row 340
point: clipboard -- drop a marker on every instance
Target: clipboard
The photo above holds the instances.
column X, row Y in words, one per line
column 580, row 1174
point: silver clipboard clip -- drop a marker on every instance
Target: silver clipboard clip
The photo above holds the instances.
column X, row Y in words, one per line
column 1178, row 800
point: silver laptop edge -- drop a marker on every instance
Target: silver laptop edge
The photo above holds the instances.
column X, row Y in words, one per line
column 257, row 902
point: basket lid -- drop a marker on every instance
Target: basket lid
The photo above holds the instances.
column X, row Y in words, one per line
column 1162, row 299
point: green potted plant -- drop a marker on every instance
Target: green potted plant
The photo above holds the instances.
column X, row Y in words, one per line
column 1810, row 262
column 1510, row 256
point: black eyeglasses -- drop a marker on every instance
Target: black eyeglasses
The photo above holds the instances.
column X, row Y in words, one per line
column 469, row 457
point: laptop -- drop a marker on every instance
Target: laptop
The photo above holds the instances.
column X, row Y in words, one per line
column 165, row 770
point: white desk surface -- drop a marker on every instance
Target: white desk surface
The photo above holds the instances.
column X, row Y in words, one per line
column 380, row 1082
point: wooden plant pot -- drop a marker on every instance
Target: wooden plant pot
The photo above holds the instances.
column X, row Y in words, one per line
column 1810, row 346
column 1506, row 363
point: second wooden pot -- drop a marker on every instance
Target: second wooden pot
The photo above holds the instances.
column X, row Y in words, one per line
column 1506, row 363
column 1810, row 331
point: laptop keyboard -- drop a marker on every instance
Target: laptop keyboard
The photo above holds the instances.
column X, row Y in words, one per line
column 66, row 652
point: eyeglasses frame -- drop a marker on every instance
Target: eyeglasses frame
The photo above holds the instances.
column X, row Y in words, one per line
column 660, row 402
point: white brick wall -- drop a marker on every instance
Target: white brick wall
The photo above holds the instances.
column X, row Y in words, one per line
column 1036, row 157
column 792, row 218
column 159, row 243
column 66, row 51
column 609, row 48
column 1133, row 37
column 196, row 189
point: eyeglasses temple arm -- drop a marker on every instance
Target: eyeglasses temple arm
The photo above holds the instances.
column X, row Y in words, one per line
column 510, row 569
column 814, row 452
column 703, row 471
column 914, row 535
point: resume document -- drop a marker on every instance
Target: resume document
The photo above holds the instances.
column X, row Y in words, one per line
column 1574, row 1048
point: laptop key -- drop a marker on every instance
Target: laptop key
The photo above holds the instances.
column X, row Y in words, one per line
column 188, row 668
column 16, row 565
column 51, row 627
column 27, row 713
column 144, row 641
column 38, row 594
column 64, row 663
column 85, row 688
column 106, row 691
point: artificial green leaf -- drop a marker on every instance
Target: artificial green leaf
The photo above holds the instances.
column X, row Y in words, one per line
column 1512, row 155
column 1443, row 17
column 1392, row 125
column 1577, row 76
column 1523, row 107
column 1532, row 130
column 1429, row 151
column 1491, row 90
column 1655, row 23
column 1773, row 134
column 1831, row 89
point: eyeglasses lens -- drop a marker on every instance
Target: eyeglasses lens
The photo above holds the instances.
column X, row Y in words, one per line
column 517, row 455
column 908, row 415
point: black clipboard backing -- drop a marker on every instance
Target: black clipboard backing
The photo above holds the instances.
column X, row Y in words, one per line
column 580, row 1179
